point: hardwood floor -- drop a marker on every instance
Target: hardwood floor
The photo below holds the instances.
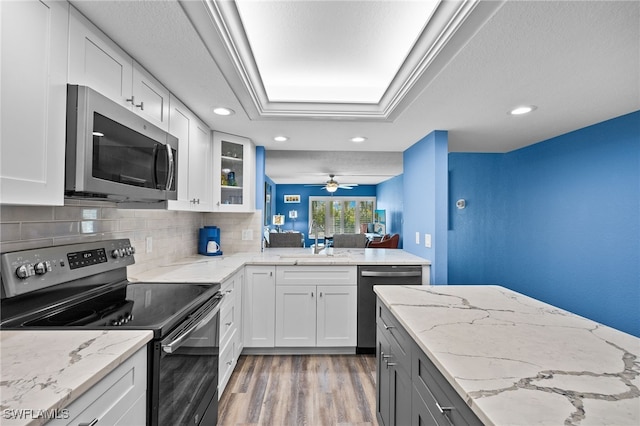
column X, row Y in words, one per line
column 315, row 390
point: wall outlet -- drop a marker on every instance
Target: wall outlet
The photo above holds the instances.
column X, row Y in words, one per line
column 417, row 237
column 247, row 234
column 149, row 244
column 427, row 240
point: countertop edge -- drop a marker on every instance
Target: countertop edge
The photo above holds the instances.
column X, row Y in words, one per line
column 70, row 392
column 450, row 379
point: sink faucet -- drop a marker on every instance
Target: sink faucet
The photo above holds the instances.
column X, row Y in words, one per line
column 314, row 230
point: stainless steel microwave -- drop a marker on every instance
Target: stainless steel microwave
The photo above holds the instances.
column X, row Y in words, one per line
column 114, row 154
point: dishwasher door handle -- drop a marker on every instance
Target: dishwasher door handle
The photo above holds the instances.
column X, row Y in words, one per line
column 394, row 274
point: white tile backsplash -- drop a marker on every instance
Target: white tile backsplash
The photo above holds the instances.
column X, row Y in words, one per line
column 174, row 234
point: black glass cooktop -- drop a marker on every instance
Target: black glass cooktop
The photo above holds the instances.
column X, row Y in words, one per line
column 152, row 306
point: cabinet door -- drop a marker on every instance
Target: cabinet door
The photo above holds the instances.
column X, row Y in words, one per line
column 239, row 291
column 383, row 377
column 296, row 316
column 150, row 98
column 400, row 396
column 33, row 102
column 258, row 318
column 234, row 173
column 420, row 413
column 180, row 126
column 336, row 316
column 96, row 61
column 200, row 185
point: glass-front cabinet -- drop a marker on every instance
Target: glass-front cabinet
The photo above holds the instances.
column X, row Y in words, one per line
column 234, row 173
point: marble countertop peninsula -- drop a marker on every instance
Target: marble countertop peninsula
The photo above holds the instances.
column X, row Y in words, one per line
column 519, row 361
column 215, row 269
column 44, row 370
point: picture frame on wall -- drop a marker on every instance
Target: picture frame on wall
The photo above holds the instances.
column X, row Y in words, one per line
column 292, row 198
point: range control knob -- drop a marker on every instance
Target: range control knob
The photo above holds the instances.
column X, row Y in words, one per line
column 115, row 254
column 22, row 271
column 128, row 251
column 40, row 268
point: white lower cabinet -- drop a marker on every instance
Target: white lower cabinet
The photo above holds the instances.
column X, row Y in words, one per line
column 337, row 316
column 316, row 306
column 118, row 399
column 300, row 306
column 230, row 328
column 321, row 316
column 259, row 306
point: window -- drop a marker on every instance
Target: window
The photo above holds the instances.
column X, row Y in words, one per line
column 339, row 215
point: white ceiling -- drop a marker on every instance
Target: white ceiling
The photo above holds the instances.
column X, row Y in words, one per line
column 313, row 51
column 578, row 62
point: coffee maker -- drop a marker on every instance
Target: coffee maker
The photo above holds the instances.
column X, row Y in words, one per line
column 209, row 241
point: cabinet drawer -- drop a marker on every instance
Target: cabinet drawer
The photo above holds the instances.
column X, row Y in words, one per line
column 398, row 338
column 316, row 275
column 116, row 398
column 226, row 364
column 227, row 322
column 442, row 401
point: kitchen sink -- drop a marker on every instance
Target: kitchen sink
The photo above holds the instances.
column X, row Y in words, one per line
column 312, row 255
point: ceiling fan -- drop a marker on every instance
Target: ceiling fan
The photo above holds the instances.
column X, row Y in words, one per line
column 332, row 185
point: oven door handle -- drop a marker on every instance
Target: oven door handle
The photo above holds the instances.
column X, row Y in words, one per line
column 178, row 341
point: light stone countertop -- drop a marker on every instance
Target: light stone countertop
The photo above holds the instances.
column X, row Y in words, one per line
column 47, row 370
column 519, row 361
column 216, row 269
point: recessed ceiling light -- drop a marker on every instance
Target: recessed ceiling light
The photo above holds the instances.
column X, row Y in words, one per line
column 525, row 109
column 281, row 139
column 223, row 111
column 358, row 139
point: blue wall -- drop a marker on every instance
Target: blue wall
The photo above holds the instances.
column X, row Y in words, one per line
column 389, row 198
column 425, row 184
column 558, row 221
column 301, row 224
column 260, row 177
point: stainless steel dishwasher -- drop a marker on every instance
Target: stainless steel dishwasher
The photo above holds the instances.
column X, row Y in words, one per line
column 368, row 276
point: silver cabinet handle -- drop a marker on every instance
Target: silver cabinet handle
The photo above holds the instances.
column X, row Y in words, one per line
column 391, row 274
column 141, row 106
column 391, row 364
column 132, row 100
column 443, row 409
column 387, row 327
column 91, row 423
column 311, row 294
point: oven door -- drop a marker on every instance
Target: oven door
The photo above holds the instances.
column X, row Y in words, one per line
column 185, row 371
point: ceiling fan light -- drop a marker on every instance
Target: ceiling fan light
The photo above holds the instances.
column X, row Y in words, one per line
column 331, row 188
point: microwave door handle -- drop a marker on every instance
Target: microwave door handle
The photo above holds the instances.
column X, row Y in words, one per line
column 172, row 168
column 172, row 346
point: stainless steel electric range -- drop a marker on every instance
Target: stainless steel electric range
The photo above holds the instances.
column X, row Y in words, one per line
column 84, row 286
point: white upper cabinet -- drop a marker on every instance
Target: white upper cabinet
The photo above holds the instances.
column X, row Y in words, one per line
column 234, row 164
column 33, row 102
column 96, row 61
column 195, row 191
